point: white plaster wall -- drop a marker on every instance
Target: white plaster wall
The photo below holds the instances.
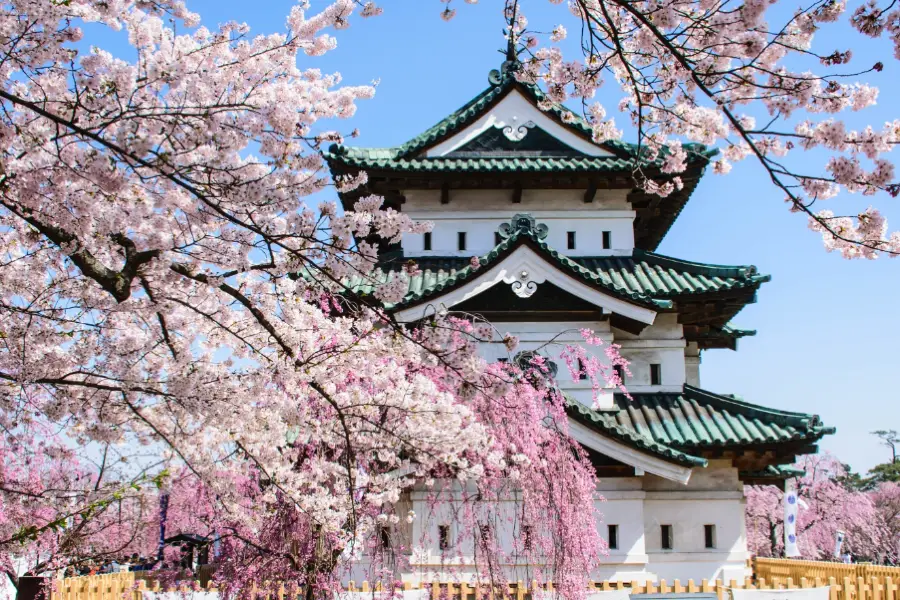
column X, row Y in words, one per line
column 638, row 505
column 551, row 339
column 623, row 505
column 692, row 362
column 714, row 496
column 480, row 213
column 661, row 343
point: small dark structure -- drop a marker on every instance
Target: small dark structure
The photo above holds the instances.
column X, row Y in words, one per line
column 192, row 547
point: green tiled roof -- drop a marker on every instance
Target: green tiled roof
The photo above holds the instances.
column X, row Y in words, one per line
column 642, row 276
column 362, row 158
column 774, row 472
column 500, row 85
column 662, row 276
column 603, row 422
column 406, row 156
column 722, row 337
column 698, row 419
column 431, row 283
column 735, row 333
column 678, row 426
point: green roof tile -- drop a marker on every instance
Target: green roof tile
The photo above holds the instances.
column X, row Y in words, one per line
column 677, row 426
column 407, row 157
column 606, row 424
column 444, row 274
column 591, row 164
column 774, row 472
column 643, row 276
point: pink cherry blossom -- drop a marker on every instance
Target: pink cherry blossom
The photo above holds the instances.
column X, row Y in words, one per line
column 689, row 72
column 181, row 313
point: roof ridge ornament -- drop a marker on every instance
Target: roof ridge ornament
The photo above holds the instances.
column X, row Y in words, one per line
column 523, row 223
column 497, row 77
column 512, row 63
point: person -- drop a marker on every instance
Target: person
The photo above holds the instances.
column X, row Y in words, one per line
column 124, row 565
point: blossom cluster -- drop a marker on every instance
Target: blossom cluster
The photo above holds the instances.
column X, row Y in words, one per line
column 687, row 70
column 172, row 301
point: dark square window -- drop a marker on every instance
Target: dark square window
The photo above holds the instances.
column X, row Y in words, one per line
column 426, row 241
column 620, row 371
column 444, row 537
column 667, row 542
column 527, row 539
column 582, row 370
column 612, row 536
column 655, row 375
column 709, row 535
column 384, row 535
column 607, row 240
column 461, row 240
column 570, row 240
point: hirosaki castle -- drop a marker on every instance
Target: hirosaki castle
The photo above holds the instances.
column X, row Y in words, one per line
column 565, row 241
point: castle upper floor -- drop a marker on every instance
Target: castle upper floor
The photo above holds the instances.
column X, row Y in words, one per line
column 468, row 224
column 512, row 150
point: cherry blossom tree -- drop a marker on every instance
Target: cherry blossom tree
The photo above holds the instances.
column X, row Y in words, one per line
column 748, row 77
column 829, row 507
column 172, row 301
column 886, row 498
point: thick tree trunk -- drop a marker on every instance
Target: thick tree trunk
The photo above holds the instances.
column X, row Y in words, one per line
column 773, row 538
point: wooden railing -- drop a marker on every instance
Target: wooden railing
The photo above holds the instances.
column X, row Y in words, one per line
column 125, row 586
column 779, row 570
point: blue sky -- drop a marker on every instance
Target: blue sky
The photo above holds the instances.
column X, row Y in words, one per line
column 827, row 326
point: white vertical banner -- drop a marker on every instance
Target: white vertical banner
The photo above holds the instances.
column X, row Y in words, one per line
column 790, row 520
column 838, row 542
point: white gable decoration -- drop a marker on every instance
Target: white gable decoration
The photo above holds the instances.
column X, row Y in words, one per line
column 524, row 270
column 516, row 115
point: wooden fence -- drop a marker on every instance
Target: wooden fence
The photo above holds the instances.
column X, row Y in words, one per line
column 779, row 570
column 124, row 586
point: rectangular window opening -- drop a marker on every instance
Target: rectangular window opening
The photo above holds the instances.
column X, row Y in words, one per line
column 667, row 542
column 461, row 240
column 426, row 241
column 570, row 240
column 612, row 536
column 655, row 375
column 444, row 537
column 384, row 535
column 607, row 240
column 620, row 371
column 709, row 533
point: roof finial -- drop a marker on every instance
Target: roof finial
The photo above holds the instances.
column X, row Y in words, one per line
column 512, row 14
column 511, row 55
